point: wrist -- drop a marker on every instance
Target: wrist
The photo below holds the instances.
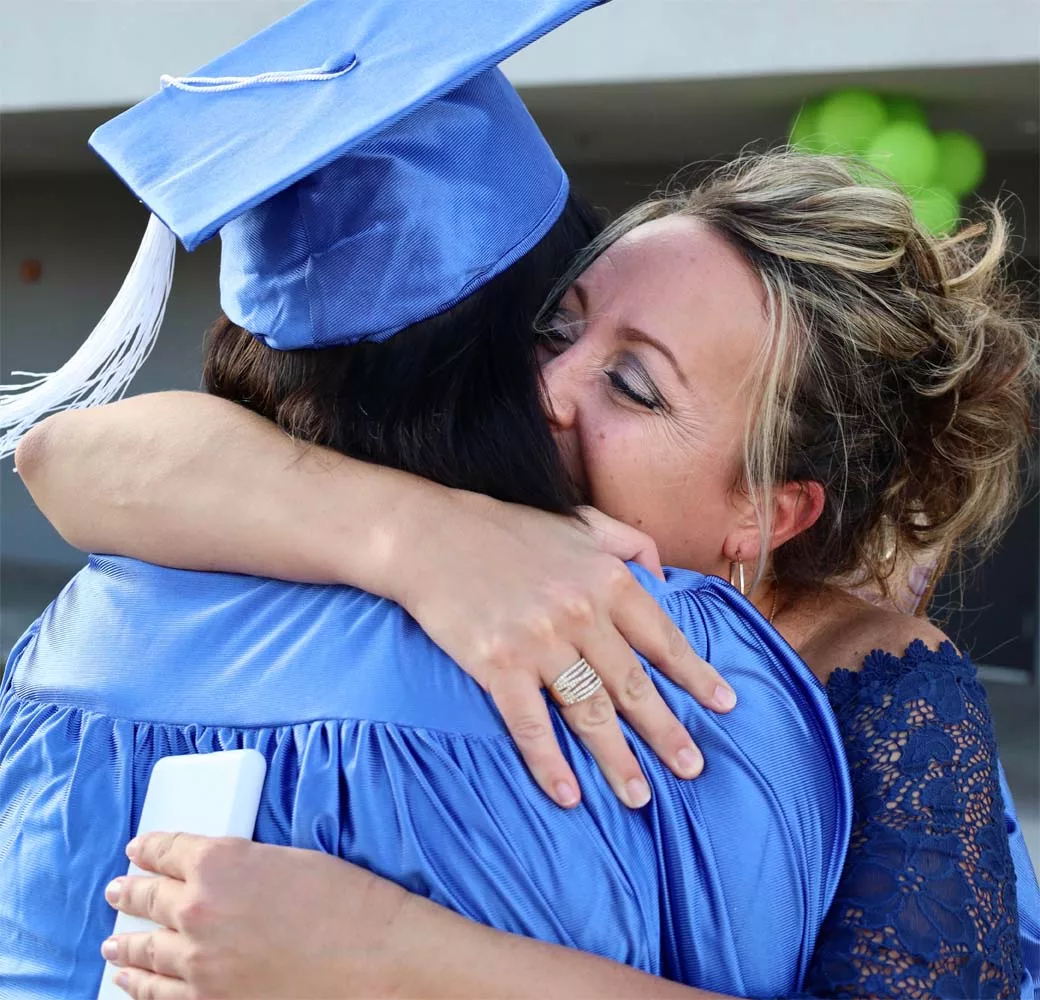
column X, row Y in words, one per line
column 432, row 953
column 409, row 535
column 355, row 959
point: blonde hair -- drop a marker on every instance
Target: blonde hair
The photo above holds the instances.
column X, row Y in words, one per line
column 899, row 369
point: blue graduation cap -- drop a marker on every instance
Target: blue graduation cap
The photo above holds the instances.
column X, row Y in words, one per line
column 365, row 163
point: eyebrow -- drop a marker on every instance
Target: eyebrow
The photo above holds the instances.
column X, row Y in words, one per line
column 634, row 333
column 641, row 336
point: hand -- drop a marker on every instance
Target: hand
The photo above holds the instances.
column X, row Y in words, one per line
column 241, row 919
column 515, row 596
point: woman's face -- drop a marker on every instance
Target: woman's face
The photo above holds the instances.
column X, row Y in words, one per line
column 644, row 364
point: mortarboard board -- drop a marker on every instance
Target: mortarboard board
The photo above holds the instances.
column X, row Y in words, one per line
column 365, row 163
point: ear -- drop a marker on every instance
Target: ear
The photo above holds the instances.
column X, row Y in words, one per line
column 796, row 508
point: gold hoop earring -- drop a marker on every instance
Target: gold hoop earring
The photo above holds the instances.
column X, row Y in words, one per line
column 736, row 573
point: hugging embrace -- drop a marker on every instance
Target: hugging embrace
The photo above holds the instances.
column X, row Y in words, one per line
column 387, row 548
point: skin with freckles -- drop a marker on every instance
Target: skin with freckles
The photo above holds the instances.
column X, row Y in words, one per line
column 645, row 364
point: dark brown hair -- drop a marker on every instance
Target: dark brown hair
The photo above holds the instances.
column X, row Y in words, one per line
column 456, row 398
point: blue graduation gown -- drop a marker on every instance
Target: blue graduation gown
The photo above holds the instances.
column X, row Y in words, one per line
column 382, row 751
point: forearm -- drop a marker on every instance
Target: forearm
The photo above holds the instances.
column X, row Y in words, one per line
column 444, row 955
column 196, row 482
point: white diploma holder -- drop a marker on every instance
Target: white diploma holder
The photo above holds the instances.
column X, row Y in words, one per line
column 211, row 794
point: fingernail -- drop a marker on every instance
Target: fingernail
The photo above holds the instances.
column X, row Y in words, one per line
column 113, row 890
column 689, row 761
column 131, row 848
column 637, row 793
column 724, row 697
column 565, row 794
column 110, row 949
column 123, row 979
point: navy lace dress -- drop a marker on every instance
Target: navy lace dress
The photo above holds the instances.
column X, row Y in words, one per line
column 927, row 904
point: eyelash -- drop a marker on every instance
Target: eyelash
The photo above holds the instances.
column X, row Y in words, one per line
column 557, row 342
column 552, row 336
column 620, row 385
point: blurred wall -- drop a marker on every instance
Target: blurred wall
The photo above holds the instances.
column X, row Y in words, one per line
column 131, row 43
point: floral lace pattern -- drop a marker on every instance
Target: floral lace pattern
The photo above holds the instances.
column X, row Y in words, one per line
column 926, row 906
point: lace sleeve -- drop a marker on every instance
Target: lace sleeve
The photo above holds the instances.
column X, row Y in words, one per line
column 926, row 904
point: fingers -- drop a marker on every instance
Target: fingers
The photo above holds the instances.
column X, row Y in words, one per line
column 155, row 951
column 150, row 986
column 594, row 721
column 642, row 622
column 166, row 853
column 622, row 541
column 154, row 897
column 518, row 697
column 519, row 700
column 635, row 696
column 645, row 627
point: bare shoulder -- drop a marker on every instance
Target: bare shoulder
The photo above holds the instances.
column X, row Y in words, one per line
column 848, row 629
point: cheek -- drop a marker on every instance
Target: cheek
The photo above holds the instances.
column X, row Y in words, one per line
column 617, row 459
column 675, row 489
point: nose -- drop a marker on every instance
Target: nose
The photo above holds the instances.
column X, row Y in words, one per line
column 561, row 392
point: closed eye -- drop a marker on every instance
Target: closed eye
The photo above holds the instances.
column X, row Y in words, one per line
column 623, row 387
column 560, row 332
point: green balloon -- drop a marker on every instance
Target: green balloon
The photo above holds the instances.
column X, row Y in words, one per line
column 937, row 209
column 907, row 152
column 962, row 162
column 850, row 119
column 905, row 109
column 804, row 133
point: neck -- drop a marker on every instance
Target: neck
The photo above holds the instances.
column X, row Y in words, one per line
column 767, row 599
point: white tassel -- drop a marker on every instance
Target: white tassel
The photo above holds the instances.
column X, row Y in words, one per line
column 110, row 357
